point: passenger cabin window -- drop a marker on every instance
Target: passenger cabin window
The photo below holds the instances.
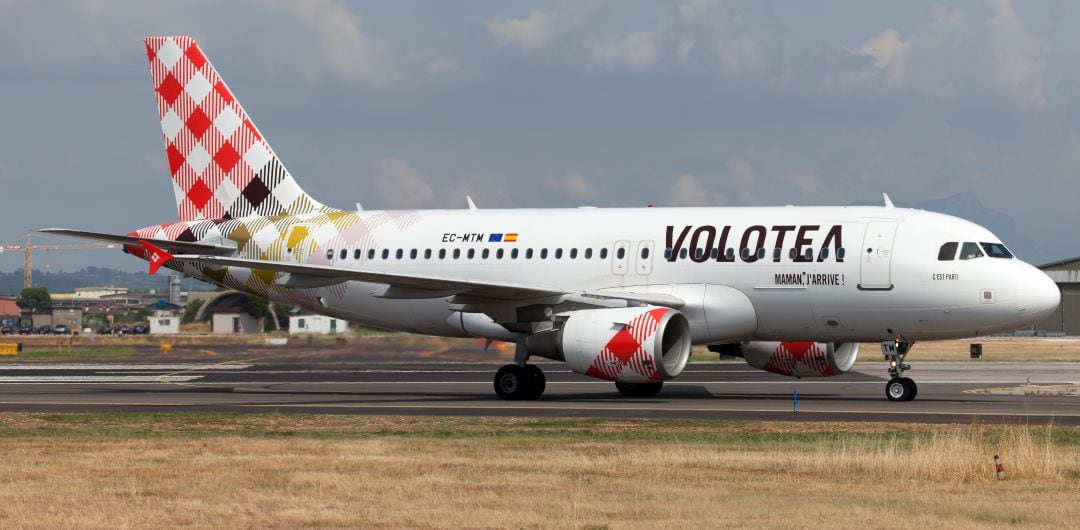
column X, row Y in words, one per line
column 412, row 254
column 442, row 253
column 499, row 253
column 588, row 253
column 682, row 253
column 573, row 253
column 603, row 253
column 457, row 253
column 356, row 254
column 543, row 253
column 484, row 253
column 558, row 253
column 645, row 253
column 970, row 251
column 947, row 252
column 996, row 250
column 427, row 253
column 471, row 253
column 513, row 253
column 528, row 253
column 344, row 254
column 330, row 254
column 399, row 253
column 371, row 254
column 621, row 253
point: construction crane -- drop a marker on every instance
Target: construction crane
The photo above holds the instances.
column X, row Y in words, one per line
column 28, row 252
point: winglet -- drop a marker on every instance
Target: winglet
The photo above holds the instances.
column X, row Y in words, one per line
column 472, row 205
column 888, row 201
column 156, row 256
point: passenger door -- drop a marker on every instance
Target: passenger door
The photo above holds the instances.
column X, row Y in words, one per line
column 876, row 269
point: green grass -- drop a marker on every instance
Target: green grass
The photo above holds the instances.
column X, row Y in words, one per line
column 65, row 354
column 196, row 425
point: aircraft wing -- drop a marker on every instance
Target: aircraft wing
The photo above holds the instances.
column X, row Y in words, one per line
column 415, row 285
column 166, row 244
column 302, row 274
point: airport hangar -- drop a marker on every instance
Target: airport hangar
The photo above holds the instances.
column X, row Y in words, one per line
column 1066, row 320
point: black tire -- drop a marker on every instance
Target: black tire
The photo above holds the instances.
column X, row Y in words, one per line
column 514, row 383
column 898, row 389
column 912, row 387
column 639, row 389
column 538, row 380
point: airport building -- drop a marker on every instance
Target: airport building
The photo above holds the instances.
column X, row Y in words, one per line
column 1066, row 320
column 317, row 325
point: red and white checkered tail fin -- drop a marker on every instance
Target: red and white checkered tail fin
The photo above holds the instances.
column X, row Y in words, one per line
column 222, row 168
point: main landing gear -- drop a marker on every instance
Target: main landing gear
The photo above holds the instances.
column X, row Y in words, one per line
column 899, row 388
column 520, row 381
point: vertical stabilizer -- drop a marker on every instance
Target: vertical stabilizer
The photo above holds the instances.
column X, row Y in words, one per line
column 222, row 168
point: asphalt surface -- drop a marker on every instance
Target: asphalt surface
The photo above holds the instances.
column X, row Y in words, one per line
column 1032, row 393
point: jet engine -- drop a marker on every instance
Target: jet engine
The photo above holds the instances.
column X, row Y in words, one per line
column 628, row 345
column 801, row 359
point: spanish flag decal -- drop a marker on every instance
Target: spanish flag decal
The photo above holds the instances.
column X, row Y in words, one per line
column 510, row 238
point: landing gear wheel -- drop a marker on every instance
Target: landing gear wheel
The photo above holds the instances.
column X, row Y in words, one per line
column 539, row 381
column 901, row 389
column 514, row 382
column 639, row 389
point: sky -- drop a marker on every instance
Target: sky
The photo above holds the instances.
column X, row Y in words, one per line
column 556, row 104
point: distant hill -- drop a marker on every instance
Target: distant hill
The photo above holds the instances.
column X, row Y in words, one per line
column 66, row 282
column 968, row 206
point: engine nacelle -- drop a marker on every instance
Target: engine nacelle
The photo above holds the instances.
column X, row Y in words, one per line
column 801, row 359
column 630, row 345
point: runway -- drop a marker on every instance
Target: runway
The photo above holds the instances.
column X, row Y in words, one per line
column 948, row 392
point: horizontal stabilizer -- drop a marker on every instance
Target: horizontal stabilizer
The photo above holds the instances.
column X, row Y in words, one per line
column 174, row 247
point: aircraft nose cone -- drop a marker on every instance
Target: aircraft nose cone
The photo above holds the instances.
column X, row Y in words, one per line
column 1037, row 296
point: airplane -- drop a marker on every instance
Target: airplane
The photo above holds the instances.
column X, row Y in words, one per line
column 619, row 294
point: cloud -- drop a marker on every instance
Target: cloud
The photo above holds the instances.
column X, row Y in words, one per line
column 637, row 51
column 944, row 59
column 712, row 36
column 889, row 54
column 1018, row 57
column 400, row 185
column 573, row 185
column 688, row 190
column 312, row 42
column 540, row 28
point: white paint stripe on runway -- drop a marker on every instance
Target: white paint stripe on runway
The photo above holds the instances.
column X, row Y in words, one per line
column 666, row 383
column 64, row 379
column 105, row 366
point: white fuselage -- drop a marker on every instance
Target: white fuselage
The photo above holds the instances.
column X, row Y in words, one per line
column 822, row 274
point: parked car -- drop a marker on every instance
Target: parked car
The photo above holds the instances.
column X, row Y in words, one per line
column 140, row 329
column 61, row 329
column 7, row 330
column 26, row 330
column 44, row 330
column 104, row 330
column 121, row 330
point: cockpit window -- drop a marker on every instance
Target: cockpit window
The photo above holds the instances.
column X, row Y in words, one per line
column 970, row 251
column 947, row 251
column 996, row 250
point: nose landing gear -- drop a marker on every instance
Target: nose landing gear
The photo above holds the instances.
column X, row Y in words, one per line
column 899, row 388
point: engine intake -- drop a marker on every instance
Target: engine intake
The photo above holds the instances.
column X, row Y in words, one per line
column 801, row 359
column 629, row 345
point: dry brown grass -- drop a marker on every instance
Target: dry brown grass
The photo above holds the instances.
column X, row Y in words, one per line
column 319, row 471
